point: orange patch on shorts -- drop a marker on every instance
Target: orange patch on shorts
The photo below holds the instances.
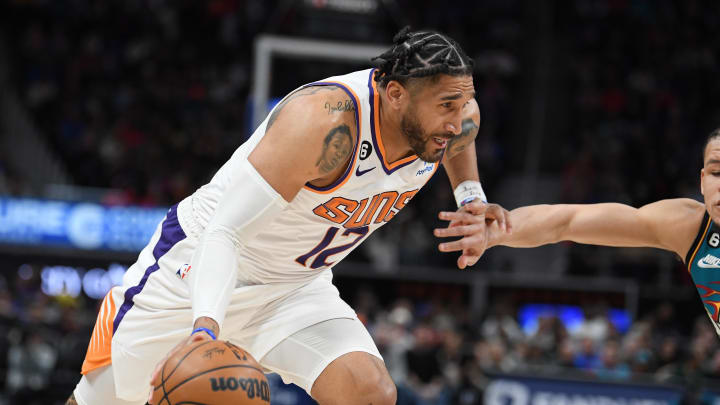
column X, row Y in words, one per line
column 99, row 353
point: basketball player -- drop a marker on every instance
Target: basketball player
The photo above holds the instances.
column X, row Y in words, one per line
column 684, row 226
column 248, row 257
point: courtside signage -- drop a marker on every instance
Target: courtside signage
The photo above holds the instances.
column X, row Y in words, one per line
column 73, row 225
column 511, row 390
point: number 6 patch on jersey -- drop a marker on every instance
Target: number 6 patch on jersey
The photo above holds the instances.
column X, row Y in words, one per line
column 714, row 240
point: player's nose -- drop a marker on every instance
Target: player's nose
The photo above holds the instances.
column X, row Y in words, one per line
column 454, row 127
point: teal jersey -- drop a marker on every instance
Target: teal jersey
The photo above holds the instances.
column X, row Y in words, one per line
column 703, row 263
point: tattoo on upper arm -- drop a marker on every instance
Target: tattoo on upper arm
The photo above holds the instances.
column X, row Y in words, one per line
column 458, row 143
column 337, row 147
column 307, row 91
column 340, row 106
column 71, row 400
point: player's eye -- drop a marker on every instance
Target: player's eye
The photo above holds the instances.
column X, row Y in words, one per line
column 446, row 105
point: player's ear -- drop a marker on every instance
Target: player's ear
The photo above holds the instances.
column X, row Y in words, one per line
column 702, row 176
column 396, row 94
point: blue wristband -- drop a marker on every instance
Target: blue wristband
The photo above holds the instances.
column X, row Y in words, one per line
column 206, row 330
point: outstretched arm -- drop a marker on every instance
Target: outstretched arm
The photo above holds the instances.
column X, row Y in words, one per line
column 667, row 224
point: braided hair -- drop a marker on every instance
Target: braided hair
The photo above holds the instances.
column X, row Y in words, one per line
column 421, row 54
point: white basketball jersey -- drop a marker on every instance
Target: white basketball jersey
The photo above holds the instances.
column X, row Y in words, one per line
column 321, row 225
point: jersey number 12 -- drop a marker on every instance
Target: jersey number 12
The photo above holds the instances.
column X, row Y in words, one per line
column 322, row 250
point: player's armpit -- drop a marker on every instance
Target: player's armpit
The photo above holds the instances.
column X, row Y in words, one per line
column 311, row 139
column 71, row 400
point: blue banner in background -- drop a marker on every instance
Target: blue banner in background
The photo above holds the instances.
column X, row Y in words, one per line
column 710, row 397
column 511, row 390
column 76, row 225
column 287, row 394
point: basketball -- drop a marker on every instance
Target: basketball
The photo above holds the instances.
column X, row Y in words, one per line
column 212, row 372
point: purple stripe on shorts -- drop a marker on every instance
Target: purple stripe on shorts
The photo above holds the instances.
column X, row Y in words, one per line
column 171, row 234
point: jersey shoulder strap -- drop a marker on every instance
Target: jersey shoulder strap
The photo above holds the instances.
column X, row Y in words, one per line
column 699, row 238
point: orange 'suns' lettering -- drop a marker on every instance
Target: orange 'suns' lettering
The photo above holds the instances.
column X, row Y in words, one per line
column 389, row 197
column 353, row 221
column 353, row 214
column 400, row 203
column 331, row 209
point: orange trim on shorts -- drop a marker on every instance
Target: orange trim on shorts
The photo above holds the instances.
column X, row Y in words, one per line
column 700, row 242
column 378, row 137
column 348, row 171
column 99, row 353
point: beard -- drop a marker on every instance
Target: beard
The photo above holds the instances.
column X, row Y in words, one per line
column 416, row 137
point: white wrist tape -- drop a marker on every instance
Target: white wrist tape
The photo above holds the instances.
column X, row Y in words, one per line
column 467, row 191
column 247, row 206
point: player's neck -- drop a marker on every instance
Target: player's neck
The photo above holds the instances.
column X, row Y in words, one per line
column 395, row 143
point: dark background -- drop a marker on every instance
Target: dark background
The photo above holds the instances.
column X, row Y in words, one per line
column 139, row 103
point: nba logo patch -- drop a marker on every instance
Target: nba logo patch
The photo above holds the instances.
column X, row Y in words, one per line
column 183, row 271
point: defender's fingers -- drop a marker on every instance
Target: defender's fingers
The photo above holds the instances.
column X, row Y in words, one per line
column 471, row 260
column 461, row 217
column 460, row 230
column 467, row 260
column 476, row 207
column 455, row 246
column 500, row 217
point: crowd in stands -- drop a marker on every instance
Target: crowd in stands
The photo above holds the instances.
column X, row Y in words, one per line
column 148, row 98
column 435, row 350
column 636, row 113
column 643, row 106
column 437, row 357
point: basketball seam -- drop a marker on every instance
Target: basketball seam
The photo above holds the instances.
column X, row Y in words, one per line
column 162, row 374
column 211, row 370
column 162, row 384
column 182, row 359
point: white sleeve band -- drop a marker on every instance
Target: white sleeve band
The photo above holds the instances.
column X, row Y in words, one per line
column 467, row 191
column 247, row 206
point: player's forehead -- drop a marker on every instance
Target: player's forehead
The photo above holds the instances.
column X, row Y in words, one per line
column 712, row 152
column 447, row 86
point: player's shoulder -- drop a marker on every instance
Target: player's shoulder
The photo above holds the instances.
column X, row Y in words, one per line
column 676, row 212
column 315, row 109
column 316, row 125
column 681, row 209
column 678, row 221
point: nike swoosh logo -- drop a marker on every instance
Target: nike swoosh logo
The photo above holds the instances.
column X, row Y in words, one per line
column 359, row 172
column 714, row 262
column 707, row 265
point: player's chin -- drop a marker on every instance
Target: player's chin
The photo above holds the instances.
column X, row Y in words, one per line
column 715, row 212
column 432, row 155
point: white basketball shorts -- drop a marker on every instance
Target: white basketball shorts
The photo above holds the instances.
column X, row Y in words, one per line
column 140, row 321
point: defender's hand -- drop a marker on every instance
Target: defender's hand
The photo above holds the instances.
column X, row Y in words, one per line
column 471, row 222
